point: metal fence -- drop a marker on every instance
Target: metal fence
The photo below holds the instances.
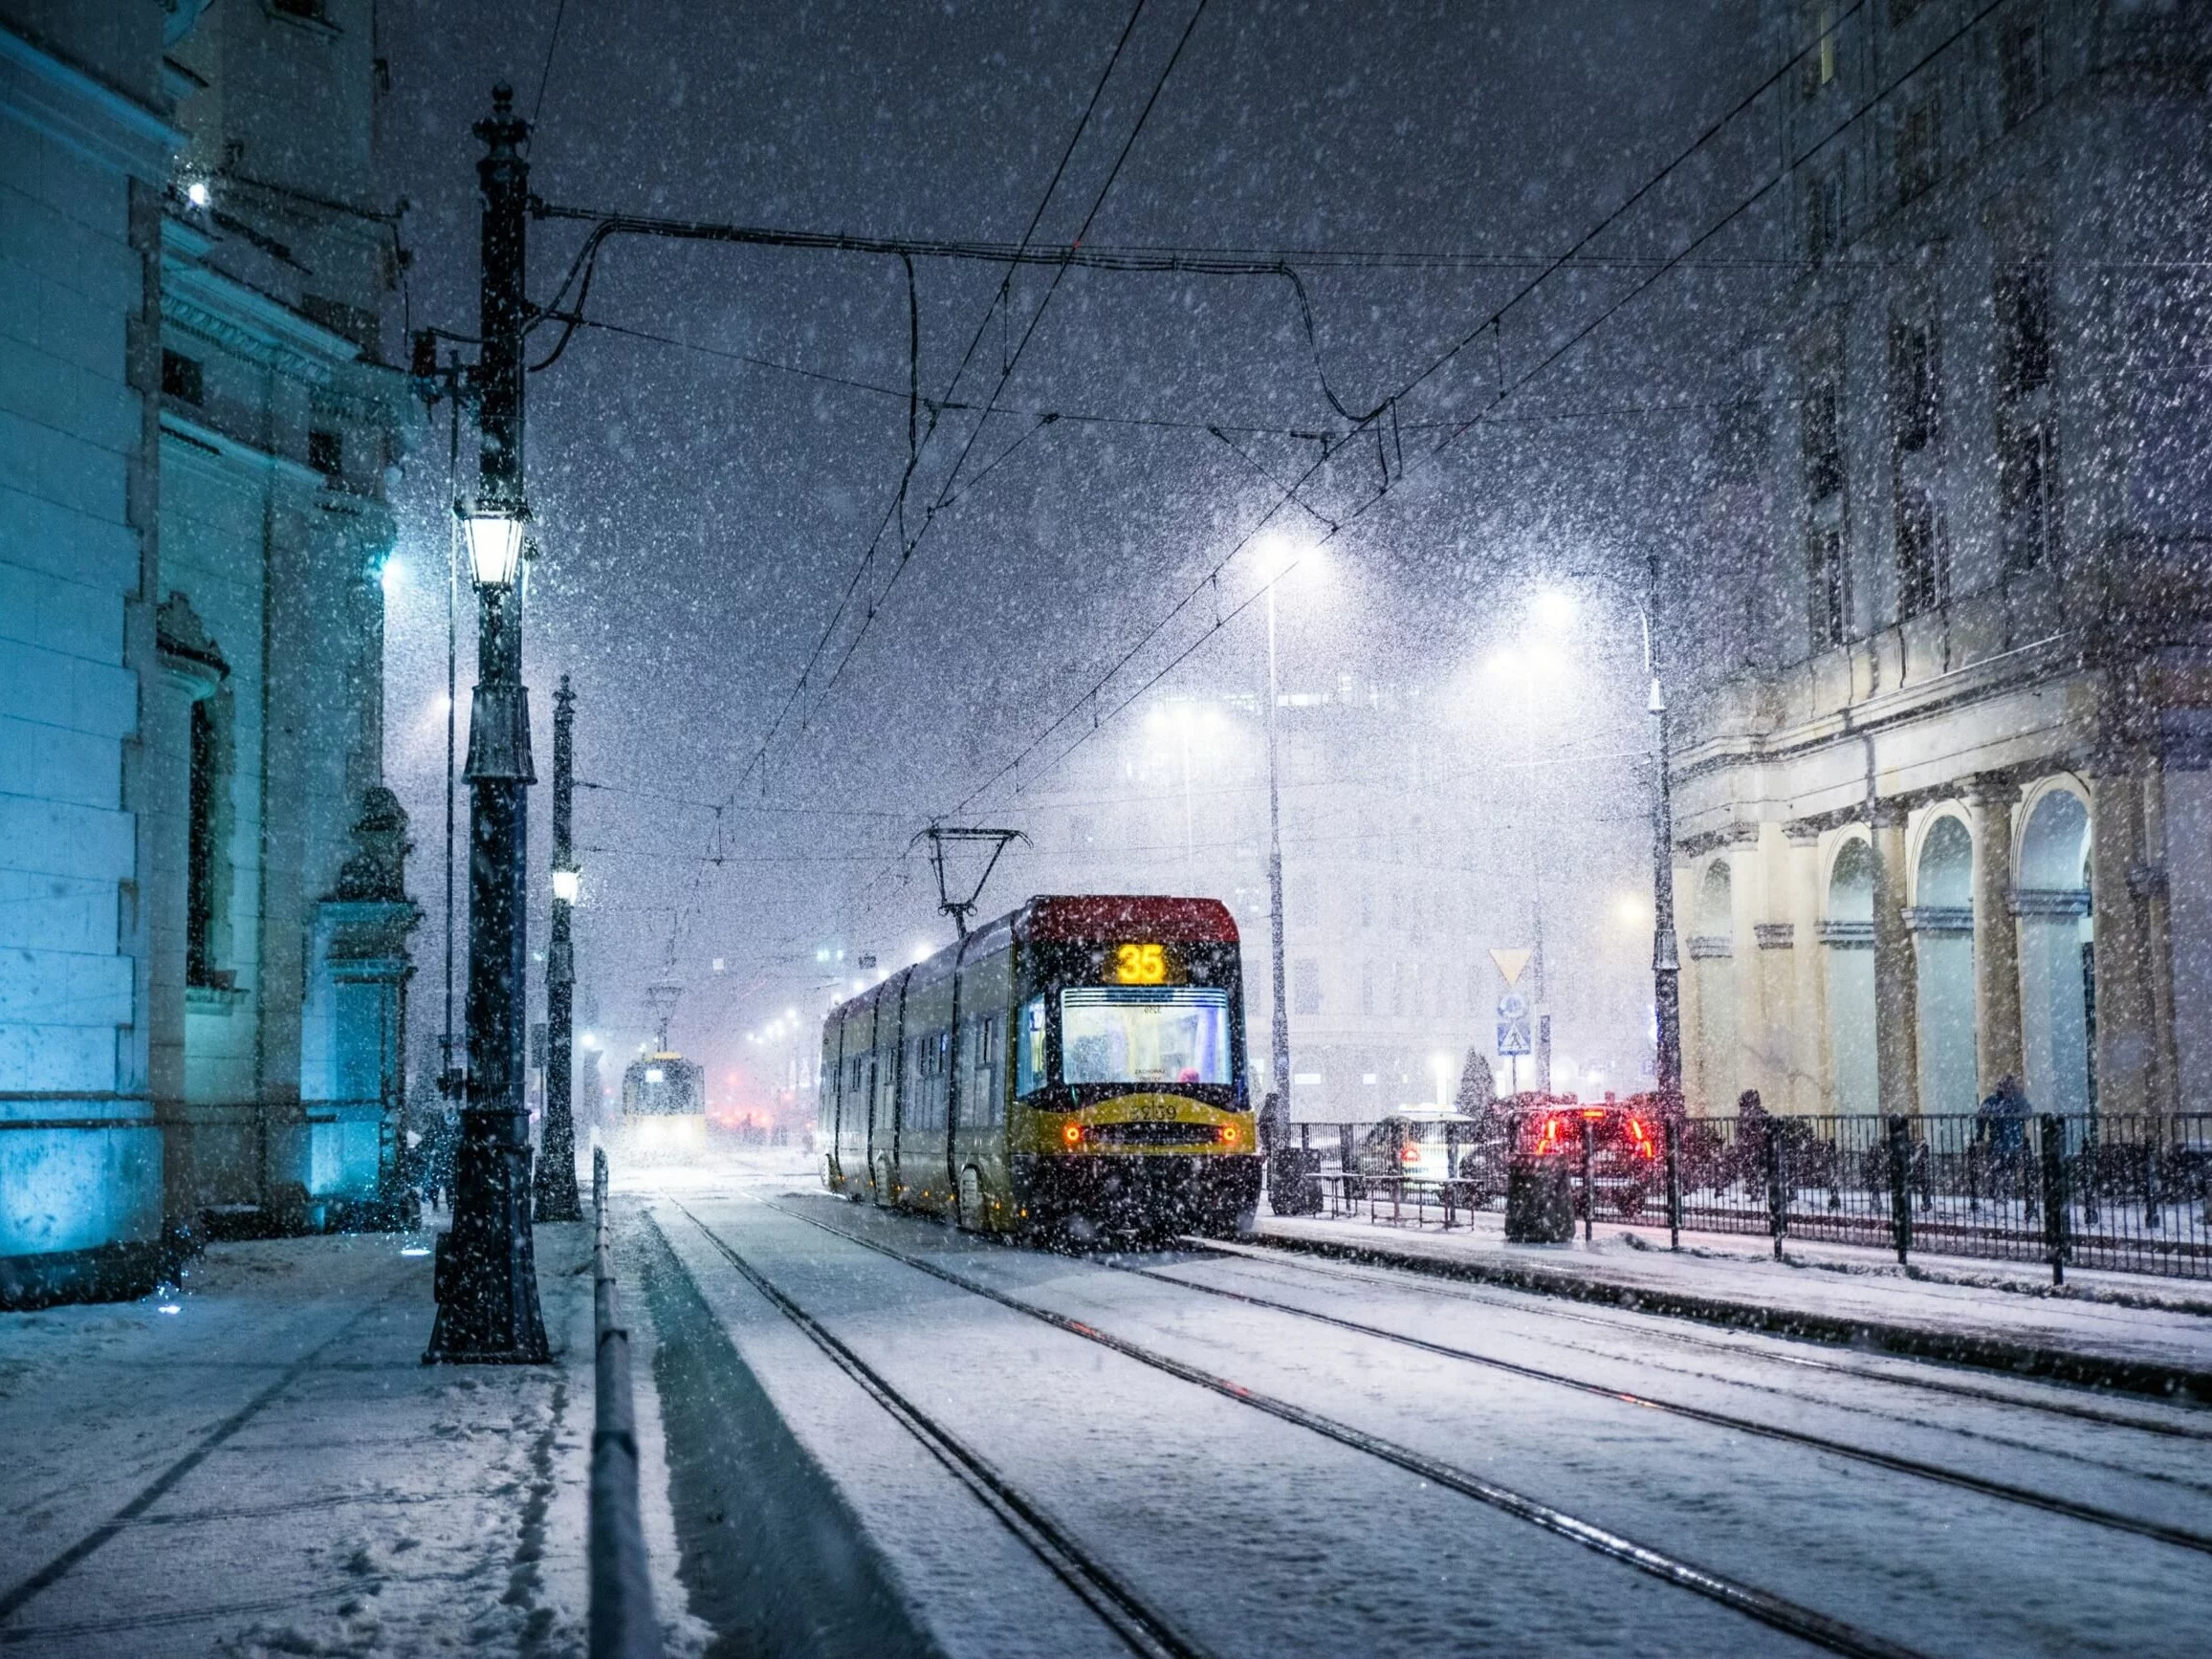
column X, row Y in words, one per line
column 2131, row 1194
column 623, row 1626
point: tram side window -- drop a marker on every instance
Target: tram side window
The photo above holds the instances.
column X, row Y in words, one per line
column 1029, row 1056
column 980, row 1100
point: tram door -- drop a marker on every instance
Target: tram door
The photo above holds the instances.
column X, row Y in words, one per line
column 884, row 1096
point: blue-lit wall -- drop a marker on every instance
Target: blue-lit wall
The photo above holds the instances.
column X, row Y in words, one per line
column 80, row 1163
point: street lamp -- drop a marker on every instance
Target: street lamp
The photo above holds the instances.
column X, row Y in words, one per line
column 487, row 1274
column 1555, row 607
column 1278, row 554
column 494, row 534
column 556, row 1189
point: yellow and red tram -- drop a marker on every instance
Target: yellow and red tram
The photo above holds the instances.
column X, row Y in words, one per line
column 1075, row 1069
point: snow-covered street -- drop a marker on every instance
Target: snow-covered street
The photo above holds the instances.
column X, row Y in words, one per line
column 1414, row 1460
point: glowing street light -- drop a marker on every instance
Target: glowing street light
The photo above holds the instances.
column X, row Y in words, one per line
column 494, row 538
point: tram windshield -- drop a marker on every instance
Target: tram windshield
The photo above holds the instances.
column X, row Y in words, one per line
column 1130, row 1035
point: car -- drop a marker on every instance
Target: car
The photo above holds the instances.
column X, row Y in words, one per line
column 1625, row 1139
column 1417, row 1143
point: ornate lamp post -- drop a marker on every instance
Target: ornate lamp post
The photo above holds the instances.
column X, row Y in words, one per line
column 557, row 1195
column 487, row 1274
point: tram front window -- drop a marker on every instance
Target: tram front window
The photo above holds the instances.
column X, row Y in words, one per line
column 1126, row 1034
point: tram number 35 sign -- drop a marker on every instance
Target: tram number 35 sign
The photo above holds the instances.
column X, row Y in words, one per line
column 1513, row 1025
column 1140, row 964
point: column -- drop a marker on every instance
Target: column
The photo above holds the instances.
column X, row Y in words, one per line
column 2125, row 1055
column 1897, row 997
column 1998, row 1052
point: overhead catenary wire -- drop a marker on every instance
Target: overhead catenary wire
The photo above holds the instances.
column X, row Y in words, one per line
column 799, row 687
column 1090, row 696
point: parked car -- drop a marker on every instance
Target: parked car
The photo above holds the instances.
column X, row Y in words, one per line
column 1625, row 1140
column 1417, row 1142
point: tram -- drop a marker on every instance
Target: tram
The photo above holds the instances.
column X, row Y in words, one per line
column 1074, row 1070
column 664, row 1105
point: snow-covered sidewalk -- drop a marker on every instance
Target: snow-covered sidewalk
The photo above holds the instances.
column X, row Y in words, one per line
column 260, row 1463
column 2119, row 1330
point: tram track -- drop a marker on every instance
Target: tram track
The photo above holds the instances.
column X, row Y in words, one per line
column 1141, row 1627
column 1775, row 1611
column 2092, row 1514
column 1429, row 1285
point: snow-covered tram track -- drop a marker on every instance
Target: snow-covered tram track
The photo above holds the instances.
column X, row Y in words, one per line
column 2092, row 1514
column 1118, row 1604
column 1654, row 1326
column 1777, row 1612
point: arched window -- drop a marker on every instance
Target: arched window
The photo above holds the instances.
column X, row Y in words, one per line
column 1847, row 934
column 1943, row 965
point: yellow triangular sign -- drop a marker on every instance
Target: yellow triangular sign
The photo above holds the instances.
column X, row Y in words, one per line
column 1510, row 963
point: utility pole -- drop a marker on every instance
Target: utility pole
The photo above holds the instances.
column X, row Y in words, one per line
column 1279, row 1046
column 557, row 1196
column 487, row 1274
column 1666, row 964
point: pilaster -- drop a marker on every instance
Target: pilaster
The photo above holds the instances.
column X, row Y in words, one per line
column 1999, row 1052
column 2120, row 885
column 1897, row 997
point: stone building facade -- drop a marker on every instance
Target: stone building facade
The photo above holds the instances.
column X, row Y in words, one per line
column 203, row 917
column 1947, row 819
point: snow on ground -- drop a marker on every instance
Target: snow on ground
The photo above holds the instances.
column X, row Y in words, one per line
column 259, row 1464
column 1258, row 1536
column 2119, row 1315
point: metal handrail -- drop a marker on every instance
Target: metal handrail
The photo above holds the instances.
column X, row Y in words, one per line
column 622, row 1624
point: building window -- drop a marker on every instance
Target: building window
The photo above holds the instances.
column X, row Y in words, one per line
column 1306, row 986
column 1820, row 65
column 1823, row 213
column 1827, row 570
column 325, row 453
column 1912, row 388
column 201, row 845
column 2022, row 303
column 1827, row 579
column 1824, row 457
column 2027, row 490
column 181, row 378
column 1366, row 988
column 2027, row 423
column 1919, row 147
column 1921, row 576
column 2020, row 70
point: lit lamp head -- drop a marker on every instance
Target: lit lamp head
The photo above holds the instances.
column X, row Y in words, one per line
column 494, row 545
column 566, row 883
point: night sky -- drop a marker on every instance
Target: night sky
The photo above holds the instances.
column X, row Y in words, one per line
column 703, row 509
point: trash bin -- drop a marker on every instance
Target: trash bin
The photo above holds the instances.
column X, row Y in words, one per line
column 1294, row 1181
column 1538, row 1201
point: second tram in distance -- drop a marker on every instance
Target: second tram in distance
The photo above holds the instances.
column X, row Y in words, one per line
column 1075, row 1069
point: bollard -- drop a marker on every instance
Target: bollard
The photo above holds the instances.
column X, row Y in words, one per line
column 1671, row 1127
column 1777, row 1194
column 1900, row 1187
column 1588, row 1194
column 2054, row 1194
